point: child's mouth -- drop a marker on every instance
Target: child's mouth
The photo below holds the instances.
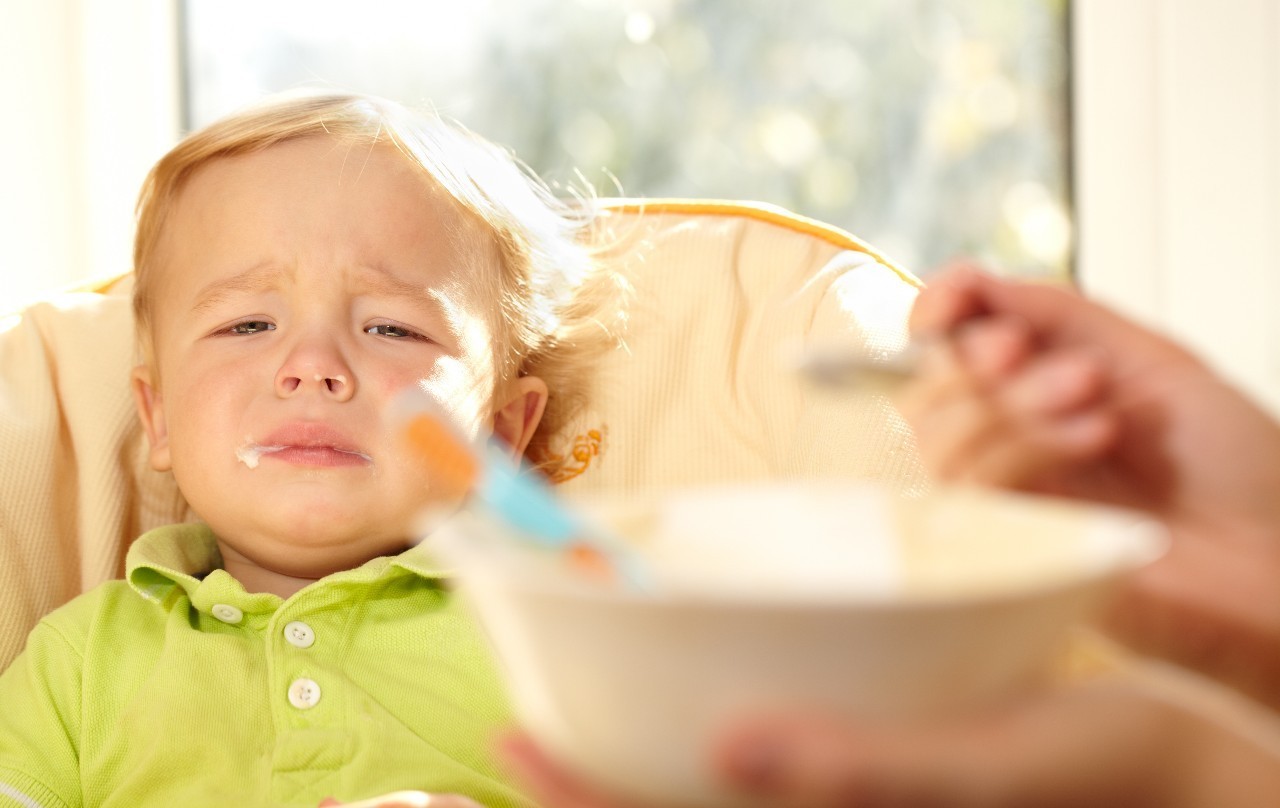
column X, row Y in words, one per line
column 303, row 445
column 324, row 456
column 327, row 456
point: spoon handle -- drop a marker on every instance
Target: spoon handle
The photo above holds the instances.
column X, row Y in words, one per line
column 844, row 367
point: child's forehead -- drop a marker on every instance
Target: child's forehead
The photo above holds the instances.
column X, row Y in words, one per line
column 356, row 189
column 346, row 165
column 365, row 207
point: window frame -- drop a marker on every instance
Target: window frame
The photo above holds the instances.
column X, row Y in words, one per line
column 1176, row 107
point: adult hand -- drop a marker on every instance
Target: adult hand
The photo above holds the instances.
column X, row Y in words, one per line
column 1106, row 744
column 1034, row 387
column 1103, row 744
column 547, row 782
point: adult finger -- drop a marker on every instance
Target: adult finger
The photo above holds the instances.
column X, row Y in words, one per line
column 948, row 412
column 1029, row 416
column 993, row 348
column 1021, row 455
column 545, row 780
column 1098, row 746
column 1054, row 382
column 952, row 296
column 1056, row 314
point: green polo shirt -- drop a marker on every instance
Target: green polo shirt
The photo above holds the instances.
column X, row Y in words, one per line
column 176, row 687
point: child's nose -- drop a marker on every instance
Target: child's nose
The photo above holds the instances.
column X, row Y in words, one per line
column 310, row 370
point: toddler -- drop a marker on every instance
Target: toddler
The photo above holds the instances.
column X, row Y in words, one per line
column 297, row 266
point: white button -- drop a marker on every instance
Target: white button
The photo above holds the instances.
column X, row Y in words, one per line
column 304, row 694
column 299, row 634
column 227, row 614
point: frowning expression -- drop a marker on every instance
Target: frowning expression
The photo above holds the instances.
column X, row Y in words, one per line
column 300, row 288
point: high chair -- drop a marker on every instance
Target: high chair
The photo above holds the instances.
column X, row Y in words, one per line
column 703, row 392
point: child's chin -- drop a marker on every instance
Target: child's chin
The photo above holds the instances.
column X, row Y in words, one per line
column 331, row 534
column 319, row 560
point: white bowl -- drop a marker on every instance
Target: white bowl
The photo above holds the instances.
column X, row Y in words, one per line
column 836, row 597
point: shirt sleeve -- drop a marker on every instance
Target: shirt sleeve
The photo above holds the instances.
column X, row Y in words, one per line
column 40, row 701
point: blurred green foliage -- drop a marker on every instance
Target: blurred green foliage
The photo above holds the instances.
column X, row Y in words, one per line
column 932, row 128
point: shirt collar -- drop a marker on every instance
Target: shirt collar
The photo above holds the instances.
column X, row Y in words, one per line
column 176, row 559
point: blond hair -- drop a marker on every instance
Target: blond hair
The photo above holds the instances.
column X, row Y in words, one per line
column 557, row 308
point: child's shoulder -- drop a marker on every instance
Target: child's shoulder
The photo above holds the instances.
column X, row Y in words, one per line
column 114, row 604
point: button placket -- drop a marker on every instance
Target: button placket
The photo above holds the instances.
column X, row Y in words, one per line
column 303, row 693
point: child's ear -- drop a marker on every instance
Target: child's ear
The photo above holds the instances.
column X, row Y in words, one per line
column 516, row 420
column 150, row 406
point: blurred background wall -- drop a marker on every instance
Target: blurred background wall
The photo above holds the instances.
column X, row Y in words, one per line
column 91, row 97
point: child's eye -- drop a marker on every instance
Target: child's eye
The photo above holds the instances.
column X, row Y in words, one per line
column 251, row 327
column 393, row 331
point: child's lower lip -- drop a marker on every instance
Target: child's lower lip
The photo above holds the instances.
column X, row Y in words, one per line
column 325, row 456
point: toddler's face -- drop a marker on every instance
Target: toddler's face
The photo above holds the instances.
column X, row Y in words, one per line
column 299, row 290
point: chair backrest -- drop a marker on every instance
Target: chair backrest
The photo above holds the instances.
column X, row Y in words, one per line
column 701, row 394
column 726, row 295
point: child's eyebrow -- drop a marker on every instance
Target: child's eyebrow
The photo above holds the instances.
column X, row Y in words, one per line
column 265, row 276
column 438, row 303
column 255, row 279
column 379, row 279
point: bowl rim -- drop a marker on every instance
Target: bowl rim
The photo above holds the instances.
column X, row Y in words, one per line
column 1145, row 540
column 591, row 593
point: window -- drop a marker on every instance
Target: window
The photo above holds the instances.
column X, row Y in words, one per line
column 931, row 128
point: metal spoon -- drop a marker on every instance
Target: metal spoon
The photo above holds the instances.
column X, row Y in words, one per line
column 846, row 367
